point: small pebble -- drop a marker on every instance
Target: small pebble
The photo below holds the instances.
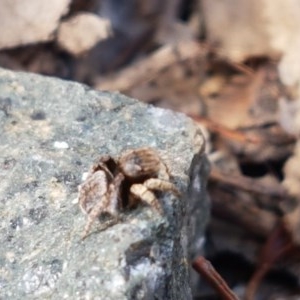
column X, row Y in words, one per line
column 61, row 145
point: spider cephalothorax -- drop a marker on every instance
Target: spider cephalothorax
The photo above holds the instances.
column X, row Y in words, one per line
column 115, row 184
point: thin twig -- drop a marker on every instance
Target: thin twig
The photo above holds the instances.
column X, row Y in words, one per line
column 256, row 221
column 278, row 246
column 226, row 132
column 205, row 269
column 247, row 184
column 146, row 69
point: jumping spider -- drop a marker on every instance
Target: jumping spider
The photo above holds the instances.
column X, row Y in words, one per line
column 112, row 185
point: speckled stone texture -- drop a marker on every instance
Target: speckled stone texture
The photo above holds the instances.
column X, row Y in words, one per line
column 51, row 133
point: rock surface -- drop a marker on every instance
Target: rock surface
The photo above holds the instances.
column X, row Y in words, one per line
column 51, row 133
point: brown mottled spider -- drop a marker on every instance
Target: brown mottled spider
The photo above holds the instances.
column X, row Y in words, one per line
column 113, row 185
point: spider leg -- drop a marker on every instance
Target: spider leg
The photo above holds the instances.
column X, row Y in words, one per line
column 94, row 187
column 157, row 184
column 141, row 192
column 114, row 195
column 163, row 171
column 145, row 191
column 109, row 203
column 94, row 214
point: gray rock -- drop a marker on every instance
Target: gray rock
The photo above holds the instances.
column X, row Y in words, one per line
column 51, row 133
